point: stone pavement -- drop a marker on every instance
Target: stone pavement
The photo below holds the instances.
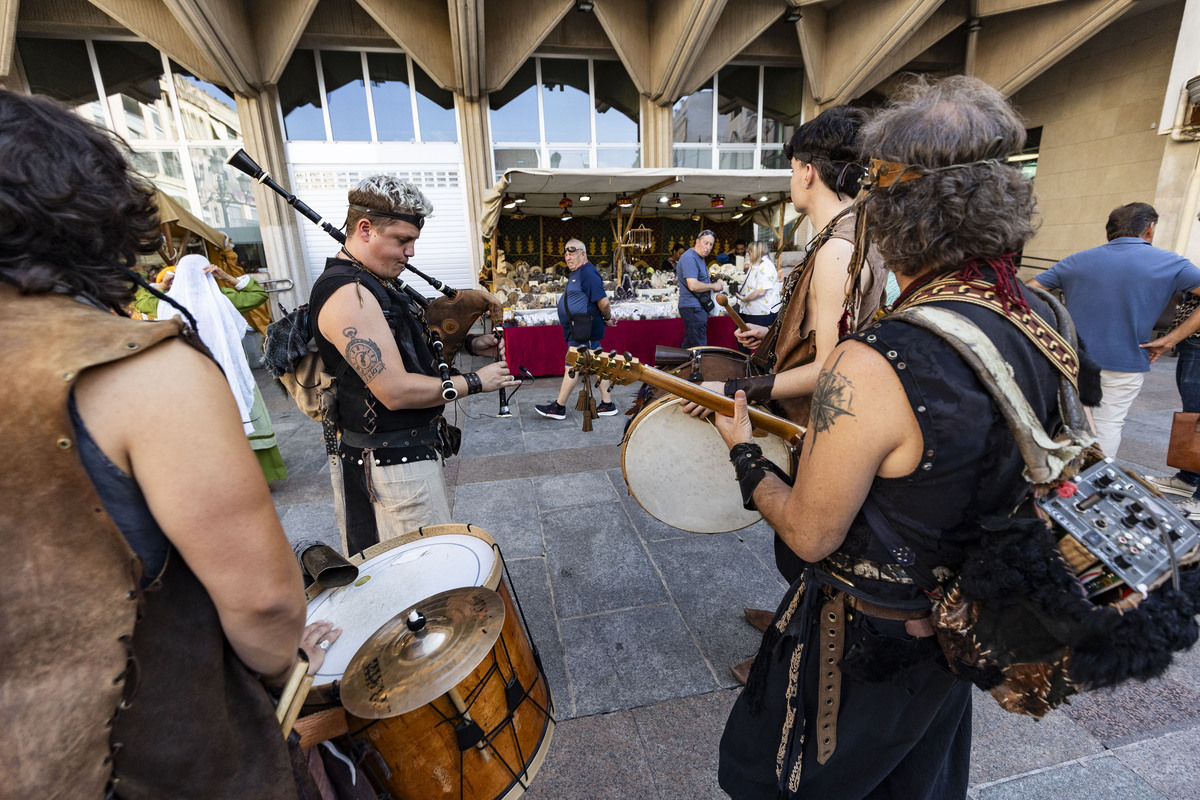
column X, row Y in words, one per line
column 638, row 623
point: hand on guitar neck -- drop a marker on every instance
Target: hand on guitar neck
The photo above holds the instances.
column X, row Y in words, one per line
column 626, row 369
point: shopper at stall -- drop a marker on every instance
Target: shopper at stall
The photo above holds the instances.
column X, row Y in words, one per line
column 583, row 311
column 695, row 291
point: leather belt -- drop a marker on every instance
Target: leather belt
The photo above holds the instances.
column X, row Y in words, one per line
column 883, row 612
column 413, row 437
column 832, row 624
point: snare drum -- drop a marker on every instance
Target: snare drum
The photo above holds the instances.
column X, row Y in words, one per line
column 677, row 468
column 417, row 755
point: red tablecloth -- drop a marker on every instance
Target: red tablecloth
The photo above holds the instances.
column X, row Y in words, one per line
column 542, row 350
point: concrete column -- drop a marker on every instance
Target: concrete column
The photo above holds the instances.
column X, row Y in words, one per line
column 656, row 135
column 263, row 136
column 477, row 171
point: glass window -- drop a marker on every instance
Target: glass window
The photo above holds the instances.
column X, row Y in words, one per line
column 435, row 109
column 737, row 104
column 618, row 104
column 566, row 104
column 736, row 159
column 60, row 69
column 391, row 96
column 692, row 117
column 162, row 167
column 619, row 157
column 300, row 98
column 783, row 100
column 226, row 198
column 514, row 108
column 564, row 158
column 208, row 110
column 347, row 96
column 696, row 157
column 772, row 158
column 515, row 158
column 132, row 74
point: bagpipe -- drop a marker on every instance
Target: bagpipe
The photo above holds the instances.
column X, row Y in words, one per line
column 449, row 316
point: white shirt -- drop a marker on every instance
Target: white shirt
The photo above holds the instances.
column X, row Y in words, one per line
column 762, row 275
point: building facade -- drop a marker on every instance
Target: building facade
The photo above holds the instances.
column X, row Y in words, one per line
column 450, row 93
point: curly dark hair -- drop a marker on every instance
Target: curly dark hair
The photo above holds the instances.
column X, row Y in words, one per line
column 73, row 214
column 946, row 219
column 830, row 142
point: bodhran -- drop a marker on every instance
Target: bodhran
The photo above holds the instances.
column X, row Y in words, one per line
column 713, row 364
column 677, row 468
column 418, row 755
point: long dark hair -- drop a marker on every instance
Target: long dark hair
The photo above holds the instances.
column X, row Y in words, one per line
column 74, row 216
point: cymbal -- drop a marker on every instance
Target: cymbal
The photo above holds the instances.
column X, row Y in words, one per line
column 422, row 652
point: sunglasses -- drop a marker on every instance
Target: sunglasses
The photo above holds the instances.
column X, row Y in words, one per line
column 706, row 233
column 573, row 249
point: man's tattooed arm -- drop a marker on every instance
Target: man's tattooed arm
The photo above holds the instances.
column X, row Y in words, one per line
column 363, row 355
column 832, row 399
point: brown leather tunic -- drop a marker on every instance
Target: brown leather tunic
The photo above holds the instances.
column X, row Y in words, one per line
column 786, row 345
column 89, row 659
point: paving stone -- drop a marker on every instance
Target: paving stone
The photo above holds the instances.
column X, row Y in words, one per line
column 1132, row 709
column 595, row 758
column 531, row 585
column 575, row 489
column 1167, row 763
column 681, row 739
column 1004, row 744
column 308, row 488
column 597, row 562
column 1103, row 778
column 631, row 658
column 712, row 579
column 492, row 442
column 1185, row 670
column 505, row 509
column 517, row 465
column 312, row 521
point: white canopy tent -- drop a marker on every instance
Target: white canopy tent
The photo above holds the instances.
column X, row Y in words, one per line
column 652, row 191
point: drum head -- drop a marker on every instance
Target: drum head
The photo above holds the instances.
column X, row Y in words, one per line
column 392, row 581
column 677, row 468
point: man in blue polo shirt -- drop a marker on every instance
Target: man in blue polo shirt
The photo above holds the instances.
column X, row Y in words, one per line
column 1115, row 293
column 695, row 291
column 584, row 294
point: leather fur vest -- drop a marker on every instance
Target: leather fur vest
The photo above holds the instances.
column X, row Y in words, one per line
column 92, row 660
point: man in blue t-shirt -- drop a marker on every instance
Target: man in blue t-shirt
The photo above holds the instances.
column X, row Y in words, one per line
column 584, row 294
column 693, row 279
column 1115, row 294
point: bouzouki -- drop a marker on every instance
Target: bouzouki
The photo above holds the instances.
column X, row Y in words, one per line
column 625, row 369
column 676, row 466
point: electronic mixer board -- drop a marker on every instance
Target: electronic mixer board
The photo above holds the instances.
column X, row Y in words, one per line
column 1133, row 535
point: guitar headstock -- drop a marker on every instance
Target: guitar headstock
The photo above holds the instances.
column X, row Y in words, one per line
column 620, row 369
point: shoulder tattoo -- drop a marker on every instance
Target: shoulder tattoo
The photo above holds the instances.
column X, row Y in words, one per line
column 363, row 355
column 831, row 400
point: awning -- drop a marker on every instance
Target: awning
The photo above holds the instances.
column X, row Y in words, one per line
column 544, row 188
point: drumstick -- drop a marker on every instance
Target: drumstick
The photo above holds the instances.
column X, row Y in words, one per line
column 723, row 301
column 289, row 719
column 288, row 697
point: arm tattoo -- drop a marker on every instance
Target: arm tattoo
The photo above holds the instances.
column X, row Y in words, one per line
column 363, row 355
column 831, row 400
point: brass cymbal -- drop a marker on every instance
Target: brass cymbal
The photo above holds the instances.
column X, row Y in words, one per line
column 422, row 652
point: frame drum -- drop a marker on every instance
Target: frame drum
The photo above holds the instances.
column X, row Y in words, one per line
column 419, row 755
column 677, row 468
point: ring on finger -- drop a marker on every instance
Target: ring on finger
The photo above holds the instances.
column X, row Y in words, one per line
column 323, row 644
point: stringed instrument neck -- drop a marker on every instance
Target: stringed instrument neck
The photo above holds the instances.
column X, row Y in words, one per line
column 625, row 370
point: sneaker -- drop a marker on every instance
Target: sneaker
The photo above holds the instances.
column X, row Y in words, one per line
column 606, row 409
column 1172, row 485
column 552, row 410
column 1191, row 509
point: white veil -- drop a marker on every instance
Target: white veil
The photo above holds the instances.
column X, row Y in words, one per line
column 219, row 324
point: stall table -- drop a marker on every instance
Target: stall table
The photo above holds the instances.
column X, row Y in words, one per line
column 542, row 350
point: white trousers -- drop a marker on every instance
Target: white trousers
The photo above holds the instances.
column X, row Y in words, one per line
column 409, row 496
column 1120, row 390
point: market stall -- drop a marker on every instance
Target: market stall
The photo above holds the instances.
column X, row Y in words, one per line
column 629, row 221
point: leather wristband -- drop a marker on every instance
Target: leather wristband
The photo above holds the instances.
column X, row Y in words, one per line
column 757, row 389
column 751, row 467
column 474, row 384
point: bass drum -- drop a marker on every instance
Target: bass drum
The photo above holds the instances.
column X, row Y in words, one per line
column 677, row 468
column 417, row 755
column 712, row 364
